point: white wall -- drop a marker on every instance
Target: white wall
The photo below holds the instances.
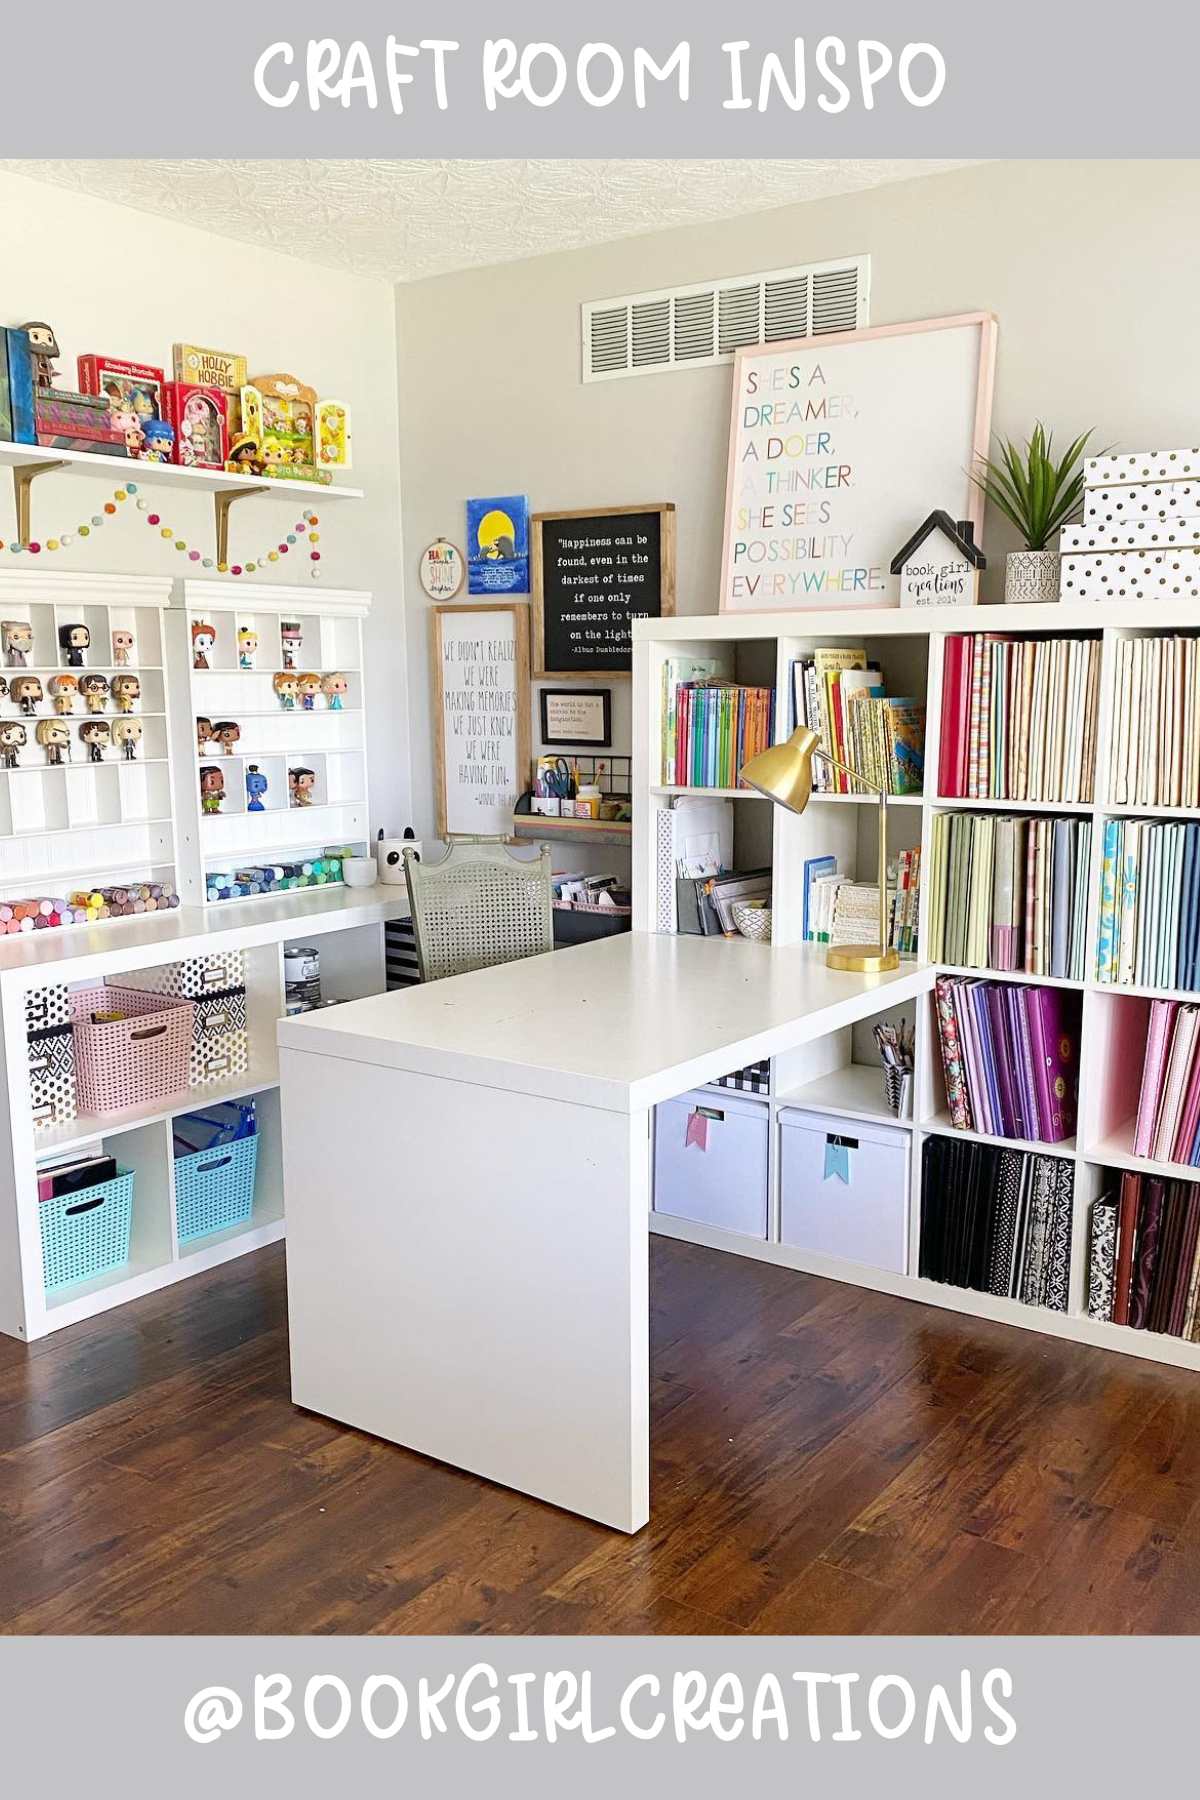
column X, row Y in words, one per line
column 123, row 283
column 1089, row 265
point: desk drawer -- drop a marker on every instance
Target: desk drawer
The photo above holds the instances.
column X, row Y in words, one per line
column 844, row 1188
column 710, row 1161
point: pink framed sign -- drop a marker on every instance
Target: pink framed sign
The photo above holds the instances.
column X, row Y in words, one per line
column 839, row 446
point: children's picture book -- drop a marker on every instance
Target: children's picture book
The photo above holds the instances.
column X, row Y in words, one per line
column 498, row 545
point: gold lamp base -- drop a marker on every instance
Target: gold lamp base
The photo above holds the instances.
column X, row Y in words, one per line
column 862, row 959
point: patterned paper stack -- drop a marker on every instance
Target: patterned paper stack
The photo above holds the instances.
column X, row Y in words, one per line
column 1140, row 536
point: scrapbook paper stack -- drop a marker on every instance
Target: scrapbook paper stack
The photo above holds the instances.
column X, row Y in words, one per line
column 1010, row 1058
column 998, row 1221
column 1167, row 1126
column 1019, row 718
column 1140, row 535
column 1009, row 893
column 1144, row 1269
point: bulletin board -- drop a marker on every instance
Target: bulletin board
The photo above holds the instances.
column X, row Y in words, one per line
column 839, row 446
column 481, row 715
column 593, row 572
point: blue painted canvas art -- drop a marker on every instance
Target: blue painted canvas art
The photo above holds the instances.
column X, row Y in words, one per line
column 498, row 545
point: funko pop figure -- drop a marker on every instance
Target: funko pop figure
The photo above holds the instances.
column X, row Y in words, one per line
column 94, row 689
column 290, row 637
column 126, row 691
column 226, row 733
column 12, row 741
column 256, row 787
column 203, row 639
column 301, row 783
column 94, row 733
column 247, row 647
column 17, row 636
column 309, row 687
column 122, row 646
column 335, row 686
column 286, row 687
column 44, row 347
column 54, row 737
column 212, row 790
column 26, row 692
column 127, row 734
column 63, row 689
column 204, row 733
column 73, row 640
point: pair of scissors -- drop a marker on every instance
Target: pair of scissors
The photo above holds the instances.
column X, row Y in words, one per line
column 558, row 779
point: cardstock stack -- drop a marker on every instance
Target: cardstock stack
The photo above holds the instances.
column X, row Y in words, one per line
column 998, row 1221
column 1010, row 893
column 1019, row 718
column 1010, row 1058
column 1144, row 1271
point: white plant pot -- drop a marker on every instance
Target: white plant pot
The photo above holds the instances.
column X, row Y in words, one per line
column 1031, row 575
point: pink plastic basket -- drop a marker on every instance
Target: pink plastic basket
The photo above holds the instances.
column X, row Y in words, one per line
column 144, row 1056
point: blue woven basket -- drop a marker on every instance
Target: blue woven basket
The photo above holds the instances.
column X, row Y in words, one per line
column 86, row 1233
column 214, row 1188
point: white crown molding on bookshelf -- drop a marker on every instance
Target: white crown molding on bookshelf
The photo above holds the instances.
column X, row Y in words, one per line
column 48, row 586
column 200, row 595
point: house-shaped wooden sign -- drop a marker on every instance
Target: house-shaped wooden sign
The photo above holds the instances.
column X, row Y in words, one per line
column 940, row 564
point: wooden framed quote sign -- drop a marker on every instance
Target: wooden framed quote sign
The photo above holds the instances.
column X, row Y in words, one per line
column 481, row 715
column 593, row 573
column 839, row 447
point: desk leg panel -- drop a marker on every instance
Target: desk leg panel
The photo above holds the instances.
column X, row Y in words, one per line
column 468, row 1277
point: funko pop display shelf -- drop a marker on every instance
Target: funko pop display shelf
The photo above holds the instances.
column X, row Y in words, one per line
column 347, row 925
column 68, row 821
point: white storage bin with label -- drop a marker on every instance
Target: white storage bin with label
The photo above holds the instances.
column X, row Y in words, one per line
column 844, row 1188
column 710, row 1161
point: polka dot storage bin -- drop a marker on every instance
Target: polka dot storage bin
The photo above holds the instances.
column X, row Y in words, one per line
column 213, row 973
column 220, row 1045
column 47, row 1006
column 51, row 1076
column 86, row 1233
column 141, row 1057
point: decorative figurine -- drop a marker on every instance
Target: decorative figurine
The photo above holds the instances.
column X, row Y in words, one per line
column 212, row 790
column 26, row 693
column 126, row 691
column 94, row 689
column 63, row 689
column 94, row 733
column 201, row 414
column 3, row 687
column 122, row 645
column 333, row 434
column 73, row 640
column 245, row 457
column 286, row 687
column 127, row 733
column 158, row 441
column 335, row 686
column 256, row 787
column 301, row 783
column 54, row 737
column 12, row 740
column 287, row 409
column 44, row 346
column 204, row 733
column 226, row 733
column 290, row 637
column 309, row 687
column 17, row 637
column 204, row 638
column 247, row 647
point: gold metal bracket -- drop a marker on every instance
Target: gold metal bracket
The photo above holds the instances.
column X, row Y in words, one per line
column 223, row 499
column 24, row 476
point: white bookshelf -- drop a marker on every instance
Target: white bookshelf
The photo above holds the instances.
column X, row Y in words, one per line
column 834, row 1075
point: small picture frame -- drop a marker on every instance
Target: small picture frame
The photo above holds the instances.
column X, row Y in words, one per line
column 577, row 718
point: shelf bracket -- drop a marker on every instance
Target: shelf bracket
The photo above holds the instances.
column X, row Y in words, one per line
column 24, row 476
column 223, row 499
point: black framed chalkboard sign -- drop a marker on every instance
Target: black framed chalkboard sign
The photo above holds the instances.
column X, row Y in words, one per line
column 594, row 571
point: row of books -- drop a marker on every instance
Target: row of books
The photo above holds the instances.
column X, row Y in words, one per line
column 1009, row 893
column 1149, row 927
column 1010, row 1056
column 1154, row 737
column 711, row 725
column 1019, row 718
column 842, row 697
column 996, row 1220
column 1167, row 1126
column 1144, row 1266
column 839, row 910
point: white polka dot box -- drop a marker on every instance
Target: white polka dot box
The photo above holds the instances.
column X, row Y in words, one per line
column 1140, row 536
column 216, row 982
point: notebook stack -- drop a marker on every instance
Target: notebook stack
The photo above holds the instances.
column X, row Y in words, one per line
column 1144, row 1269
column 715, row 727
column 1019, row 718
column 1008, row 893
column 998, row 1221
column 1010, row 1056
column 843, row 698
column 1154, row 739
column 1167, row 1127
column 838, row 910
column 1149, row 926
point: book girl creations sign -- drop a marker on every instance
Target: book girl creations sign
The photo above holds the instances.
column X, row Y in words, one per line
column 839, row 447
column 481, row 683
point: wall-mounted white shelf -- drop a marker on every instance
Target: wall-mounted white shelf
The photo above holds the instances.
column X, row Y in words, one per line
column 148, row 475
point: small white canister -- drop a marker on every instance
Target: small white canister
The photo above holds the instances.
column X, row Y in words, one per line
column 389, row 854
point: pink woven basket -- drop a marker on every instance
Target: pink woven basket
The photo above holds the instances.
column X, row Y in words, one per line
column 144, row 1056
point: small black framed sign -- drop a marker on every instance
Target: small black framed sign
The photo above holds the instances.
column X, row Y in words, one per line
column 571, row 716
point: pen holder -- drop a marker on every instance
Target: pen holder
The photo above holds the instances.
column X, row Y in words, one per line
column 897, row 1086
column 389, row 855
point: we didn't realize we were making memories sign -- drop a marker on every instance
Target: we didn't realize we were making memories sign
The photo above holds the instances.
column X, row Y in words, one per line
column 481, row 664
column 839, row 447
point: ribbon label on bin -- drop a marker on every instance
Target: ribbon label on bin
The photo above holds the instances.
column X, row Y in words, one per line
column 697, row 1126
column 837, row 1157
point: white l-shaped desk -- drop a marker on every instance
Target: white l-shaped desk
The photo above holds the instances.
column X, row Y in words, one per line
column 467, row 1184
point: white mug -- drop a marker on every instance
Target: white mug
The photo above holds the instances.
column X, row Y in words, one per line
column 389, row 855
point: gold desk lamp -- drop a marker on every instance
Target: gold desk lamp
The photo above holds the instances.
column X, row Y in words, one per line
column 784, row 774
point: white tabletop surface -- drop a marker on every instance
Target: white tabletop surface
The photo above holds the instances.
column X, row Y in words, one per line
column 621, row 1024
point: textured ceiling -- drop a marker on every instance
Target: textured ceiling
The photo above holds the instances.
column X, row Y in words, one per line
column 403, row 220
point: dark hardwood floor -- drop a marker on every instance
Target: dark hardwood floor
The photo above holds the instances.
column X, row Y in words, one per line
column 824, row 1460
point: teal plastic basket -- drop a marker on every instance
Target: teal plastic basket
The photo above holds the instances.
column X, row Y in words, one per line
column 86, row 1233
column 214, row 1188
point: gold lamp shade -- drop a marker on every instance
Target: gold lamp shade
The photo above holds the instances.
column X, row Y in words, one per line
column 784, row 774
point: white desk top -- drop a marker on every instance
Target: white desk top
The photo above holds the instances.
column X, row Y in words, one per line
column 620, row 1024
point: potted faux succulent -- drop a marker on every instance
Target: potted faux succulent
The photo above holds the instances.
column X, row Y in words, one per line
column 1038, row 495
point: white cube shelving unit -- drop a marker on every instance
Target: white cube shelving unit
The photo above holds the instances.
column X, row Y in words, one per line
column 837, row 1074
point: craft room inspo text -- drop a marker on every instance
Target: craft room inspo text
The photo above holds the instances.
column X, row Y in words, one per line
column 480, row 710
column 828, row 72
